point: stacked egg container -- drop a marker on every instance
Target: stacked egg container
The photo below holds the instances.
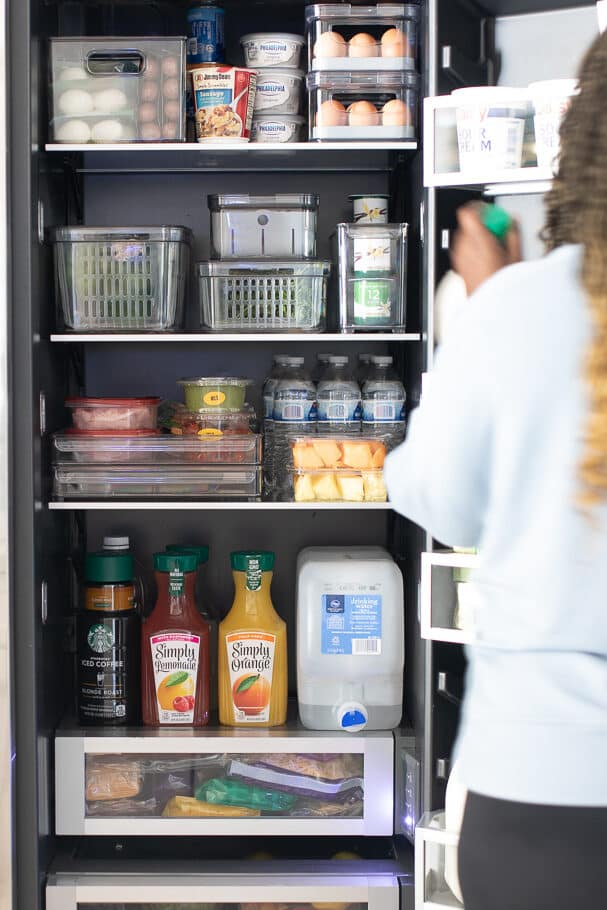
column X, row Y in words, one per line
column 264, row 276
column 362, row 83
column 276, row 57
column 106, row 90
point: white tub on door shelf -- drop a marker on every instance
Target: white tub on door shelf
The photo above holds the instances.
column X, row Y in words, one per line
column 154, row 889
column 181, row 782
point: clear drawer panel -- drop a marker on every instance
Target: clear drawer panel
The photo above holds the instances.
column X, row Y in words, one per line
column 290, row 889
column 436, row 878
column 190, row 782
column 449, row 596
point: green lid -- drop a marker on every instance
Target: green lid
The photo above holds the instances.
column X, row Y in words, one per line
column 496, row 219
column 245, row 560
column 109, row 568
column 201, row 553
column 170, row 562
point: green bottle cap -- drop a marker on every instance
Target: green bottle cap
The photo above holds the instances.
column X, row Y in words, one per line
column 171, row 562
column 497, row 220
column 201, row 553
column 109, row 568
column 245, row 560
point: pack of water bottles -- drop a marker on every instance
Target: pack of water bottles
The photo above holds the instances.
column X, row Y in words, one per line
column 335, row 400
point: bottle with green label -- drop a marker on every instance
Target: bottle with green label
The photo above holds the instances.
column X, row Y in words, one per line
column 108, row 636
column 175, row 662
column 252, row 648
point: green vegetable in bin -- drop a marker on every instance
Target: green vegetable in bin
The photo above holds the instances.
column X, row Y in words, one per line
column 233, row 793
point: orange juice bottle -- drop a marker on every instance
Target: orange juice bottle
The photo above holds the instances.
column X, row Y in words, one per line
column 252, row 648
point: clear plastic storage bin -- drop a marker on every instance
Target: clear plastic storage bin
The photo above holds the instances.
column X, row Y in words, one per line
column 143, row 448
column 354, row 106
column 338, row 486
column 279, row 296
column 372, row 277
column 168, row 482
column 277, row 227
column 108, row 90
column 129, row 279
column 342, row 36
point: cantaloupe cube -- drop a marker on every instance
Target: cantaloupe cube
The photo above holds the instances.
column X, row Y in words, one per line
column 375, row 488
column 357, row 455
column 328, row 451
column 351, row 487
column 379, row 456
column 305, row 457
column 304, row 491
column 325, row 488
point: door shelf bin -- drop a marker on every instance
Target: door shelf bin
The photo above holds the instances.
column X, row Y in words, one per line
column 154, row 890
column 143, row 782
column 447, row 597
column 435, row 863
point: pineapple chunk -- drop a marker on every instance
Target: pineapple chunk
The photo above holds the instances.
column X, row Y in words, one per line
column 351, row 487
column 304, row 491
column 305, row 457
column 375, row 488
column 379, row 456
column 357, row 455
column 325, row 488
column 329, row 451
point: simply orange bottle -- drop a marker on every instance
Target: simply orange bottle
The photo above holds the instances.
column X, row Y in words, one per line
column 252, row 648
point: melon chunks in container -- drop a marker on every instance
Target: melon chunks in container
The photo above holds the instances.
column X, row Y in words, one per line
column 338, row 469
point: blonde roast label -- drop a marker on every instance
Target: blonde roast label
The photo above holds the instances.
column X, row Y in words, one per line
column 175, row 659
column 251, row 666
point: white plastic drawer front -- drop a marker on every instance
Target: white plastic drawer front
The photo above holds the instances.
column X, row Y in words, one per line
column 291, row 782
column 199, row 892
column 436, row 879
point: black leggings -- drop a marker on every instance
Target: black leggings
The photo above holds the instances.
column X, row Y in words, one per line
column 516, row 856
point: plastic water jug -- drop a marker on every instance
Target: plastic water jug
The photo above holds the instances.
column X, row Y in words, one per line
column 350, row 639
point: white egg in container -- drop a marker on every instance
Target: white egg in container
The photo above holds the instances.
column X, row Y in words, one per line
column 114, row 90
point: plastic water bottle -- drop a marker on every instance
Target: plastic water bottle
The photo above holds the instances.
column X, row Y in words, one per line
column 322, row 362
column 339, row 403
column 383, row 403
column 294, row 414
column 363, row 368
column 279, row 361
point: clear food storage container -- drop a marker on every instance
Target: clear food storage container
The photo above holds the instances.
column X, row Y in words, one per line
column 333, row 469
column 272, row 296
column 141, row 447
column 214, row 393
column 114, row 413
column 363, row 105
column 339, row 486
column 108, row 90
column 166, row 482
column 372, row 276
column 182, row 422
column 123, row 279
column 342, row 36
column 278, row 226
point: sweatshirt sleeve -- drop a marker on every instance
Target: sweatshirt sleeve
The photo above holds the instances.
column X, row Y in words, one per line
column 439, row 477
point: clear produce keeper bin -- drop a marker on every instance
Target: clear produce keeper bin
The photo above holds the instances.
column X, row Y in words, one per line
column 263, row 296
column 113, row 279
column 142, row 448
column 363, row 106
column 372, row 276
column 106, row 90
column 342, row 36
column 167, row 482
column 280, row 226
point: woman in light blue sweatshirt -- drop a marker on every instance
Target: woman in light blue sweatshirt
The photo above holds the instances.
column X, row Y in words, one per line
column 508, row 453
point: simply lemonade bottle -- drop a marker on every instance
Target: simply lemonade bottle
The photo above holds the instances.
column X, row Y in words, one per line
column 252, row 648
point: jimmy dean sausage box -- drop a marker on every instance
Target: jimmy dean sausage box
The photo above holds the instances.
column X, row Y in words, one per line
column 224, row 97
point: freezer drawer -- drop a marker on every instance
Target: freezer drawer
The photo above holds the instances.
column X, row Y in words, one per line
column 224, row 782
column 158, row 891
column 436, row 880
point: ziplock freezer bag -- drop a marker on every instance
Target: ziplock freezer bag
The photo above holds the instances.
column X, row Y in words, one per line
column 234, row 793
column 299, row 785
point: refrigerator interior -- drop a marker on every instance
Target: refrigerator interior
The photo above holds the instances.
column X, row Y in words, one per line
column 51, row 189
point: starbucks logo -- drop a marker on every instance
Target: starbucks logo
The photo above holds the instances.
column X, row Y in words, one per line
column 100, row 639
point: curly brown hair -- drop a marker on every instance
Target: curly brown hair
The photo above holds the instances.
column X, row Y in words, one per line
column 577, row 213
